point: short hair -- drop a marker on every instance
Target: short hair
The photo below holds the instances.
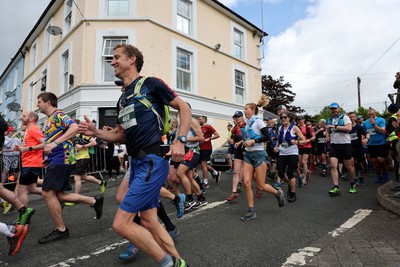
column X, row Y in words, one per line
column 49, row 97
column 351, row 113
column 132, row 51
column 205, row 117
column 33, row 115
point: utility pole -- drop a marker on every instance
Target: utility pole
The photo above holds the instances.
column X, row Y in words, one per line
column 358, row 91
column 386, row 105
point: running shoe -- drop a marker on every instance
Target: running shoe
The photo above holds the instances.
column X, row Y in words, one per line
column 217, row 176
column 277, row 184
column 180, row 207
column 232, row 197
column 206, row 186
column 361, row 181
column 292, row 197
column 129, row 253
column 179, row 262
column 98, row 206
column 17, row 239
column 174, row 233
column 300, row 181
column 352, row 189
column 69, row 204
column 334, row 191
column 323, row 173
column 378, row 179
column 7, row 206
column 200, row 203
column 281, row 198
column 55, row 235
column 24, row 218
column 229, row 171
column 259, row 194
column 249, row 215
column 189, row 205
column 385, row 177
column 103, row 186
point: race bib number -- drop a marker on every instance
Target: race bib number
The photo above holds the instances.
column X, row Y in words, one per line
column 353, row 136
column 321, row 140
column 127, row 117
column 285, row 145
column 371, row 131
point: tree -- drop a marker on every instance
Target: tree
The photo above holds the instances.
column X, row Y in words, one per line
column 279, row 94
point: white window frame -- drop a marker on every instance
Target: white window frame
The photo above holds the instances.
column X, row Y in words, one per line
column 236, row 27
column 45, row 79
column 192, row 18
column 185, row 71
column 16, row 74
column 117, row 16
column 176, row 45
column 107, row 57
column 244, row 71
column 103, row 9
column 31, row 92
column 1, row 93
column 65, row 60
column 68, row 16
column 100, row 36
column 33, row 57
column 47, row 39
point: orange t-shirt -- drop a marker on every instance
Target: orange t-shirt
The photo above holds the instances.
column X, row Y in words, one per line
column 33, row 137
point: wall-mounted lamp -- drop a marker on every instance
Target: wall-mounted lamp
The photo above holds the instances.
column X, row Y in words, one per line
column 217, row 46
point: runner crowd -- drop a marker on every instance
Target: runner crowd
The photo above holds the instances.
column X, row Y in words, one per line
column 284, row 151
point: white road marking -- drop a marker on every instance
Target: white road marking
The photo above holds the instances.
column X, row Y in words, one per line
column 115, row 245
column 299, row 258
column 358, row 217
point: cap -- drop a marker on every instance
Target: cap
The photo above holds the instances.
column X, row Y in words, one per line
column 238, row 114
column 9, row 129
column 282, row 107
column 299, row 118
column 359, row 117
column 334, row 105
column 393, row 108
column 322, row 121
column 268, row 118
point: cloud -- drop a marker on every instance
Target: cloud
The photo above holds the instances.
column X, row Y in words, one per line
column 322, row 54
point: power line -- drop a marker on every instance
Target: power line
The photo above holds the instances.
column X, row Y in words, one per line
column 321, row 74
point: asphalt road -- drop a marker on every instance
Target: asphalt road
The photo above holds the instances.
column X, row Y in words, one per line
column 211, row 236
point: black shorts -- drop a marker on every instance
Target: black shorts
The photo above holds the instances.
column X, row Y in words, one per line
column 359, row 157
column 57, row 177
column 380, row 151
column 205, row 155
column 191, row 163
column 303, row 151
column 82, row 166
column 321, row 148
column 29, row 175
column 231, row 149
column 340, row 151
column 239, row 153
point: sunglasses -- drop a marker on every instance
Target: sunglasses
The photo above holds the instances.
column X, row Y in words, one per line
column 284, row 117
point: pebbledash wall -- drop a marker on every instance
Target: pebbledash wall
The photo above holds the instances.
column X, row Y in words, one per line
column 207, row 53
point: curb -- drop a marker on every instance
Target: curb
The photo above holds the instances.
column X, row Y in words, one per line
column 384, row 197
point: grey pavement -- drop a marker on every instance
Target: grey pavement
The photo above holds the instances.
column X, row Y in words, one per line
column 374, row 241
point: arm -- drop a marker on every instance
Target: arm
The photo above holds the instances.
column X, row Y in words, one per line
column 185, row 117
column 197, row 130
column 115, row 135
column 69, row 134
column 302, row 140
column 91, row 143
column 345, row 128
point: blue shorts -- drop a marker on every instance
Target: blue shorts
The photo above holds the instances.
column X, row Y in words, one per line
column 146, row 179
column 256, row 158
column 192, row 163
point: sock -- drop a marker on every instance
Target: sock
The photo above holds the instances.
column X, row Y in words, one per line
column 164, row 218
column 251, row 209
column 200, row 197
column 335, row 186
column 324, row 167
column 63, row 230
column 6, row 229
column 215, row 172
column 22, row 210
column 205, row 180
column 352, row 183
column 176, row 200
column 189, row 198
column 166, row 261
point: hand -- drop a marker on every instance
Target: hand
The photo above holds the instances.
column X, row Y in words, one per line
column 87, row 127
column 48, row 148
column 372, row 120
column 238, row 144
column 330, row 127
column 249, row 143
column 276, row 149
column 177, row 151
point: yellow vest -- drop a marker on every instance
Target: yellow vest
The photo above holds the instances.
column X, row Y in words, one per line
column 393, row 135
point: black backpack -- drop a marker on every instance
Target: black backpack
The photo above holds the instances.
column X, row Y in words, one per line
column 3, row 129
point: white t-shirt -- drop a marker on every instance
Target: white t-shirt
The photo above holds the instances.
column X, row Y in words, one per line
column 338, row 137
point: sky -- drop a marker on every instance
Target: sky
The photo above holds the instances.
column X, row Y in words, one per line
column 319, row 46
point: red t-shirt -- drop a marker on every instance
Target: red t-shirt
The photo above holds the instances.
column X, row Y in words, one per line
column 304, row 131
column 208, row 131
column 33, row 137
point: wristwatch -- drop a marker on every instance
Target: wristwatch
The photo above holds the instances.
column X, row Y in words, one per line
column 30, row 148
column 182, row 138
